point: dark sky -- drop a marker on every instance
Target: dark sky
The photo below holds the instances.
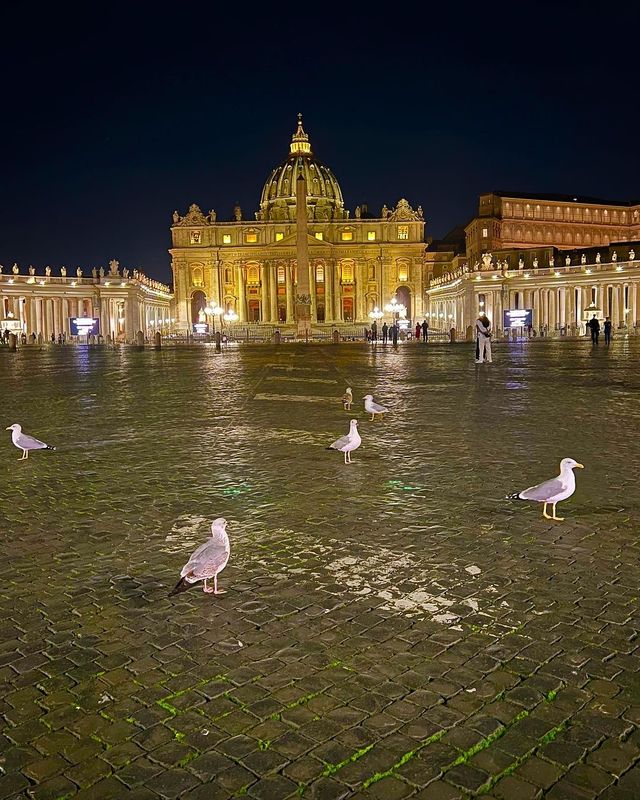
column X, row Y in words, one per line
column 113, row 119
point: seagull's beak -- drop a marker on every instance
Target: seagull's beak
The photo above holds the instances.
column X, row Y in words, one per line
column 9, row 428
column 580, row 466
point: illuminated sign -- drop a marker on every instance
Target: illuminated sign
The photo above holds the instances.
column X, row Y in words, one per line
column 518, row 318
column 11, row 325
column 200, row 327
column 84, row 326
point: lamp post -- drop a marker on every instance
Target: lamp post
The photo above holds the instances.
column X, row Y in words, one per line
column 212, row 311
column 395, row 309
column 230, row 317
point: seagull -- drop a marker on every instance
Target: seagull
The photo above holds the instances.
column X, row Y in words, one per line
column 554, row 490
column 347, row 399
column 207, row 561
column 373, row 408
column 349, row 442
column 24, row 442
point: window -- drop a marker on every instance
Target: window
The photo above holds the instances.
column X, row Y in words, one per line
column 320, row 236
column 253, row 275
column 320, row 273
column 227, row 276
column 226, row 238
column 347, row 236
column 347, row 272
column 196, row 237
column 403, row 231
column 279, row 236
column 281, row 278
column 403, row 272
column 251, row 238
column 485, row 233
column 371, row 236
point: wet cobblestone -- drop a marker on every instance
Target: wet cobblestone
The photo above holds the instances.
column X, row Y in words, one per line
column 393, row 628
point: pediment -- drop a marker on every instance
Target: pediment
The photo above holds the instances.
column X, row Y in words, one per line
column 291, row 241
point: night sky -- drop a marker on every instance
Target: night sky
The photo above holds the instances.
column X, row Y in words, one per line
column 113, row 120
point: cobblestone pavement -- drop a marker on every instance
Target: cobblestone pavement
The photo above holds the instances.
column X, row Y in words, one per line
column 394, row 628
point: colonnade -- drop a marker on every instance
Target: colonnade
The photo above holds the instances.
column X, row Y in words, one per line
column 48, row 316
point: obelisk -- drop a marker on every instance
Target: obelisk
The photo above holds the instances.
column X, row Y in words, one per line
column 303, row 292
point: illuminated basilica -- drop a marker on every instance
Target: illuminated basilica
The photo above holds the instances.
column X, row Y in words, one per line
column 349, row 264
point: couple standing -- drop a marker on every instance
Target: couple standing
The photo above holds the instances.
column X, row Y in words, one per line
column 483, row 340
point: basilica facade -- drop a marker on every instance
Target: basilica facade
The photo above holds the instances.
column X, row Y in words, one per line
column 356, row 263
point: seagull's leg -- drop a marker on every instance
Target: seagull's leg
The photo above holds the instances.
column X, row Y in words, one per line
column 373, row 416
column 207, row 589
column 544, row 512
column 559, row 519
column 215, row 583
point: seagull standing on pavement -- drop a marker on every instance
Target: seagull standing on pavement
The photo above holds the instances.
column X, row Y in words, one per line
column 554, row 490
column 347, row 399
column 346, row 444
column 24, row 442
column 373, row 408
column 207, row 561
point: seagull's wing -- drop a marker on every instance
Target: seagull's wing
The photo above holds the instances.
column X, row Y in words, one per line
column 206, row 561
column 378, row 408
column 343, row 441
column 543, row 492
column 29, row 443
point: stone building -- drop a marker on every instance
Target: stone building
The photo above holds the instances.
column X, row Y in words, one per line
column 564, row 258
column 250, row 266
column 123, row 301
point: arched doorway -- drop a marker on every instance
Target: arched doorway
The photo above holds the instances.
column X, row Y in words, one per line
column 198, row 304
column 403, row 295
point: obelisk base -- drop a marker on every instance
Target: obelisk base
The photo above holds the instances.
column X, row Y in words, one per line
column 303, row 320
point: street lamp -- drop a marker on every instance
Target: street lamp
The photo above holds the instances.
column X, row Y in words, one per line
column 376, row 314
column 212, row 311
column 230, row 317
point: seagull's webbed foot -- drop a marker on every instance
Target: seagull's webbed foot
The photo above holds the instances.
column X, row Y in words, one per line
column 206, row 588
column 557, row 519
column 219, row 591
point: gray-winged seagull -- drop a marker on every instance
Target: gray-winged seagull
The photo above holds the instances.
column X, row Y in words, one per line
column 554, row 490
column 373, row 408
column 24, row 442
column 347, row 444
column 207, row 561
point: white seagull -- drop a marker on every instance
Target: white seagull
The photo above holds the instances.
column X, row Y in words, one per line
column 347, row 399
column 554, row 490
column 373, row 408
column 24, row 442
column 207, row 561
column 346, row 444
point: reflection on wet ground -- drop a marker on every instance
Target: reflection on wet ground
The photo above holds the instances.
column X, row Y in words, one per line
column 392, row 628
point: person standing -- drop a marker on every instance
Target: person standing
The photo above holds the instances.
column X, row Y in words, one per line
column 425, row 331
column 483, row 338
column 394, row 334
column 374, row 331
column 594, row 326
column 418, row 329
column 385, row 332
column 607, row 330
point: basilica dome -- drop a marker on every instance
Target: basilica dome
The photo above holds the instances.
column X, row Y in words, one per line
column 324, row 198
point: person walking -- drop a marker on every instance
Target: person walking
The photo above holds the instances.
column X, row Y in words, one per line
column 594, row 326
column 418, row 329
column 483, row 338
column 425, row 331
column 607, row 330
column 385, row 332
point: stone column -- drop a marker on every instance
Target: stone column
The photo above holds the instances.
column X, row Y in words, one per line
column 312, row 292
column 337, row 297
column 264, row 288
column 273, row 290
column 633, row 304
column 289, row 286
column 360, row 284
column 242, row 294
column 614, row 311
column 328, row 290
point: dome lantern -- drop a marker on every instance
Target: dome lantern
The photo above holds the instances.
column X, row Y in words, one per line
column 324, row 197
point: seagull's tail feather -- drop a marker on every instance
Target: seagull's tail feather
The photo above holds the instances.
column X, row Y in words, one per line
column 515, row 496
column 181, row 586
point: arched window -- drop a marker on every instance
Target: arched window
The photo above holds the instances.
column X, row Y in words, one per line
column 281, row 275
column 196, row 276
column 403, row 271
column 227, row 276
column 253, row 275
column 347, row 271
column 319, row 273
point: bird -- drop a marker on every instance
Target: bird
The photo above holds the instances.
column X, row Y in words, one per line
column 373, row 408
column 554, row 490
column 24, row 442
column 347, row 444
column 347, row 398
column 207, row 561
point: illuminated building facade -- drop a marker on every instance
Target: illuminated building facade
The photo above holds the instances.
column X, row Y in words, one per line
column 355, row 263
column 123, row 301
column 565, row 258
